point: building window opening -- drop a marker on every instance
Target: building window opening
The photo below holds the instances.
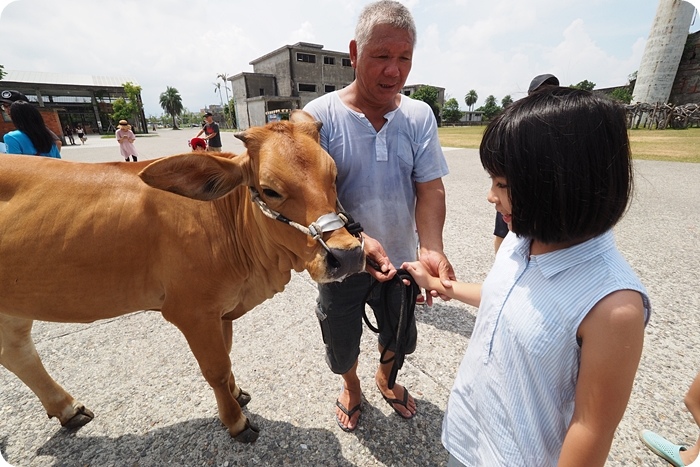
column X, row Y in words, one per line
column 329, row 60
column 308, row 58
column 329, row 88
column 307, row 87
column 347, row 62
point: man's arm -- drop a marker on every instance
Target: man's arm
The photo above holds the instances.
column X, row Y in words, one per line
column 430, row 220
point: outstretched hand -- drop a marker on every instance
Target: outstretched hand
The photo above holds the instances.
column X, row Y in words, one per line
column 437, row 264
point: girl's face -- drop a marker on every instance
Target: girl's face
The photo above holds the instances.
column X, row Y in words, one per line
column 498, row 195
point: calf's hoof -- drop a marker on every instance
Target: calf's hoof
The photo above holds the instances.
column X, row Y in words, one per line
column 83, row 417
column 249, row 434
column 243, row 398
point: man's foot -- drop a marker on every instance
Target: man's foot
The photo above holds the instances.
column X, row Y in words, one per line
column 348, row 418
column 349, row 414
column 400, row 400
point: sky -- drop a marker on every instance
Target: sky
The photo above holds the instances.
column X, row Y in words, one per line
column 494, row 47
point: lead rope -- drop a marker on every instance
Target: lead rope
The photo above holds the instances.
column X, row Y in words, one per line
column 406, row 309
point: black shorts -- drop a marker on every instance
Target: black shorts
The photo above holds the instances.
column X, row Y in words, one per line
column 501, row 228
column 340, row 307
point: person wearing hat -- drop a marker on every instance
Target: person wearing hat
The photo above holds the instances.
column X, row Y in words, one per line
column 126, row 138
column 538, row 82
column 9, row 96
column 211, row 131
column 197, row 144
column 31, row 136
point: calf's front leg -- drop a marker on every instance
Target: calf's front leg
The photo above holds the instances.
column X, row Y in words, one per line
column 210, row 341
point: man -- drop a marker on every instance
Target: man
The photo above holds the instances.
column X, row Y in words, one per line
column 211, row 131
column 7, row 97
column 390, row 165
column 501, row 228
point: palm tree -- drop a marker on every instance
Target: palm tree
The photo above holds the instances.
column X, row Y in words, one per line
column 470, row 99
column 224, row 78
column 171, row 102
column 217, row 88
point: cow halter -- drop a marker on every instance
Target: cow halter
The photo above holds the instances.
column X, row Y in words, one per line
column 325, row 223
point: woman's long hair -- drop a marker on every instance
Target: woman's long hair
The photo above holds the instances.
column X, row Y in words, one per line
column 27, row 119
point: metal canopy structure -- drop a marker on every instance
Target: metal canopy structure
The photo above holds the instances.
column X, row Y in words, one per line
column 79, row 99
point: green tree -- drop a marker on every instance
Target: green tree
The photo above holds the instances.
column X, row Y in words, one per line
column 584, row 85
column 224, row 79
column 450, row 111
column 2, row 72
column 230, row 112
column 128, row 108
column 623, row 95
column 429, row 95
column 171, row 102
column 506, row 101
column 490, row 108
column 470, row 99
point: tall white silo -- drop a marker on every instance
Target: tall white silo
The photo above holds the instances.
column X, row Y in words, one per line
column 663, row 51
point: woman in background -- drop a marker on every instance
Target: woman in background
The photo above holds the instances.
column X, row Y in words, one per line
column 31, row 136
column 126, row 138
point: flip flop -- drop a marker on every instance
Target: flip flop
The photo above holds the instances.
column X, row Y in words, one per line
column 403, row 402
column 349, row 413
column 662, row 447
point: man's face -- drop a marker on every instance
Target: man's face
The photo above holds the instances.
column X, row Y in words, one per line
column 384, row 63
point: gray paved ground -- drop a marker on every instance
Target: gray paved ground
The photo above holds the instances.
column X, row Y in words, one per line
column 153, row 407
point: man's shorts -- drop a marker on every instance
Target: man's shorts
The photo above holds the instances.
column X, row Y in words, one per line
column 340, row 307
column 213, row 149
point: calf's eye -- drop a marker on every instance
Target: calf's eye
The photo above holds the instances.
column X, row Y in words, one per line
column 270, row 193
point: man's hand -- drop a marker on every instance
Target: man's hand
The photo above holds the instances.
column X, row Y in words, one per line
column 378, row 264
column 439, row 266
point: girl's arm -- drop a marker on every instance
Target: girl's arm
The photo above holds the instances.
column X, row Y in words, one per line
column 612, row 336
column 462, row 291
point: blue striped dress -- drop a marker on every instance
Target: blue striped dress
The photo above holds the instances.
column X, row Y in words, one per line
column 513, row 397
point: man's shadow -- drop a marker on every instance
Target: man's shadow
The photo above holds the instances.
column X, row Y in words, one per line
column 204, row 441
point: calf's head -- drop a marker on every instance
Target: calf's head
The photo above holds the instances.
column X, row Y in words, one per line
column 292, row 179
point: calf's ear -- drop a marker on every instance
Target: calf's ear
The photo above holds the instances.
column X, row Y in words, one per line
column 197, row 176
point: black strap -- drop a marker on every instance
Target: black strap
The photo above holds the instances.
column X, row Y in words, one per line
column 354, row 228
column 407, row 306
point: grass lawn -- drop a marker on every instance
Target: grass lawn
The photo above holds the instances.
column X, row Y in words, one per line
column 659, row 145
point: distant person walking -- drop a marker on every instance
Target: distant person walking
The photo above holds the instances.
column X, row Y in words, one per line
column 69, row 134
column 31, row 136
column 81, row 133
column 211, row 130
column 126, row 138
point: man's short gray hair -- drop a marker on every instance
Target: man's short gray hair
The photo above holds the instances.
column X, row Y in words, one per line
column 387, row 12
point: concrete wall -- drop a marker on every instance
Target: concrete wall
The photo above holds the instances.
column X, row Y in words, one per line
column 686, row 87
column 663, row 51
column 279, row 66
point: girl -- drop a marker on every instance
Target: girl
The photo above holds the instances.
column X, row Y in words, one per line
column 126, row 138
column 81, row 134
column 551, row 362
column 31, row 136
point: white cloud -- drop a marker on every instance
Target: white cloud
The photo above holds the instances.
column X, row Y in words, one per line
column 495, row 47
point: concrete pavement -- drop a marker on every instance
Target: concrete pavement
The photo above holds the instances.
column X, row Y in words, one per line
column 153, row 407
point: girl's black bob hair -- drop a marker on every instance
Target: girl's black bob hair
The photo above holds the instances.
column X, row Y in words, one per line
column 566, row 158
